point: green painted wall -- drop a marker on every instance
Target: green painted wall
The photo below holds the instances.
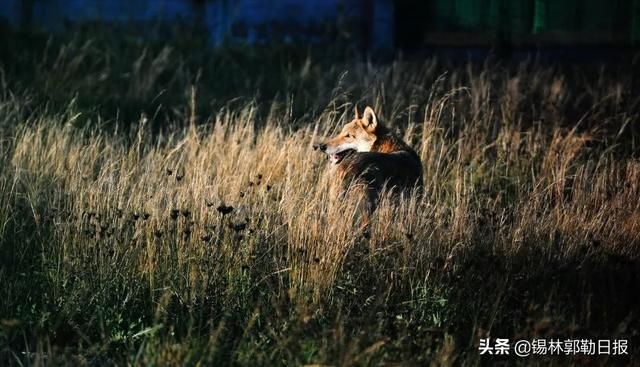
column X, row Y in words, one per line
column 619, row 18
column 635, row 22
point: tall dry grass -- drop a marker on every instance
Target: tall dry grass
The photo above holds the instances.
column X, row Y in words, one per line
column 217, row 240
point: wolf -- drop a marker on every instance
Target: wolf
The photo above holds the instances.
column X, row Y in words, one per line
column 366, row 153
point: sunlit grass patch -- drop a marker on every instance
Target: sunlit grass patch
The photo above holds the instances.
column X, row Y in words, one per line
column 216, row 239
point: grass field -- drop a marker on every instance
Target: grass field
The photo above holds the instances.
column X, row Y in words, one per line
column 161, row 207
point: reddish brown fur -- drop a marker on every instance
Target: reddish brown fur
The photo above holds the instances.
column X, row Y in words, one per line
column 386, row 142
column 389, row 163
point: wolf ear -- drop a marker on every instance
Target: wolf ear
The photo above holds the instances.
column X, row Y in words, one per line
column 355, row 110
column 369, row 119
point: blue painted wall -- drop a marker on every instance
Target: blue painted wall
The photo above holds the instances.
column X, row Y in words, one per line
column 253, row 21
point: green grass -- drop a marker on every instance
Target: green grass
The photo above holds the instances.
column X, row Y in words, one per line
column 117, row 157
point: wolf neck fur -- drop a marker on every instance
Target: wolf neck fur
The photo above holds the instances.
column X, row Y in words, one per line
column 386, row 142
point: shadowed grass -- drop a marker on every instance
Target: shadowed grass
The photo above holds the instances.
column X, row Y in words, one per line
column 215, row 239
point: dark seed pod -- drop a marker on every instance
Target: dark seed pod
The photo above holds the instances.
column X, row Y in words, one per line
column 174, row 214
column 224, row 209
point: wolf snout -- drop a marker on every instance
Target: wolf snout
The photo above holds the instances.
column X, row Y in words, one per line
column 320, row 146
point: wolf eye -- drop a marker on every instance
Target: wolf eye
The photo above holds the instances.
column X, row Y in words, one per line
column 350, row 136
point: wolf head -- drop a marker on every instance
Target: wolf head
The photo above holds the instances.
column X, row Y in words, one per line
column 358, row 135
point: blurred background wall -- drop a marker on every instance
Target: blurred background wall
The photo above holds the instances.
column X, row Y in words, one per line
column 372, row 24
column 521, row 21
column 252, row 21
